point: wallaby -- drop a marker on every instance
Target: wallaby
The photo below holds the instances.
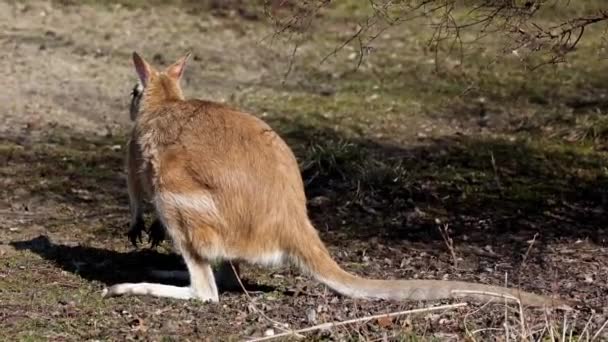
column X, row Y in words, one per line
column 226, row 187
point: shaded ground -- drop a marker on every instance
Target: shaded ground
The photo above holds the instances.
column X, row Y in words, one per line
column 514, row 166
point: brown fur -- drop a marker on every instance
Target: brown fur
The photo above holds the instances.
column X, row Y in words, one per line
column 227, row 187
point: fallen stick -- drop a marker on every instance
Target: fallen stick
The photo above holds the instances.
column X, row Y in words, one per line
column 356, row 320
column 597, row 334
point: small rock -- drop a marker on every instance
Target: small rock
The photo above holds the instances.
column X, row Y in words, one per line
column 311, row 315
column 269, row 332
column 327, row 92
column 318, row 201
column 433, row 317
column 444, row 321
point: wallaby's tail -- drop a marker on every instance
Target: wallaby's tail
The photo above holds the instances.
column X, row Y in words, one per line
column 314, row 257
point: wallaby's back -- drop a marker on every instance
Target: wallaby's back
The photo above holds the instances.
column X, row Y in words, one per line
column 237, row 160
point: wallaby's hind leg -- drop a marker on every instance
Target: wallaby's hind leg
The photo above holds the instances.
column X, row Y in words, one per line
column 202, row 284
column 225, row 277
column 202, row 281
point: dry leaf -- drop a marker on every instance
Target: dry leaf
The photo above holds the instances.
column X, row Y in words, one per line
column 385, row 322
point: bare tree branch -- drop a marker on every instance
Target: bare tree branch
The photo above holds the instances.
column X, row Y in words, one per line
column 518, row 20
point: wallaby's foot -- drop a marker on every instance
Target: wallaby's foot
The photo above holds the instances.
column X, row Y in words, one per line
column 136, row 231
column 155, row 290
column 156, row 235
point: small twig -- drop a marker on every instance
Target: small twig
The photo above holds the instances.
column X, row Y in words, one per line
column 449, row 242
column 499, row 295
column 496, row 177
column 361, row 319
column 522, row 321
column 549, row 327
column 542, row 334
column 489, row 294
column 585, row 331
column 506, row 312
column 466, row 318
column 296, row 45
column 341, row 46
column 485, row 329
column 597, row 334
column 565, row 327
column 260, row 312
column 521, row 309
column 525, row 259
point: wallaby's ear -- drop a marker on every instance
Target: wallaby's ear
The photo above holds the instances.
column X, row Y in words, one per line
column 142, row 67
column 176, row 70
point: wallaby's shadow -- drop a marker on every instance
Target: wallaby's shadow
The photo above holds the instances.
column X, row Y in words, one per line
column 111, row 267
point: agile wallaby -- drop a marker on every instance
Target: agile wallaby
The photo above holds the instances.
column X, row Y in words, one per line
column 227, row 187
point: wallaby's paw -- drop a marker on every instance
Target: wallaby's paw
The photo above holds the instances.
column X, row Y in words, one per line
column 156, row 234
column 136, row 231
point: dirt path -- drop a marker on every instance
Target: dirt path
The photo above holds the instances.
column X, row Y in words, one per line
column 70, row 66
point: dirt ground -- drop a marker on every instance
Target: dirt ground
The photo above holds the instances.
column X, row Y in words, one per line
column 388, row 162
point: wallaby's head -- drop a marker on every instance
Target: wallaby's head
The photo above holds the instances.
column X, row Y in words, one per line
column 155, row 86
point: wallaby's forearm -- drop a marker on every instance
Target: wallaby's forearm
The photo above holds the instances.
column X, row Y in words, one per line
column 136, row 195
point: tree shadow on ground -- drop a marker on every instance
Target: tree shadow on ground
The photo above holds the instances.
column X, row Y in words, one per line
column 488, row 191
column 83, row 171
column 483, row 188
